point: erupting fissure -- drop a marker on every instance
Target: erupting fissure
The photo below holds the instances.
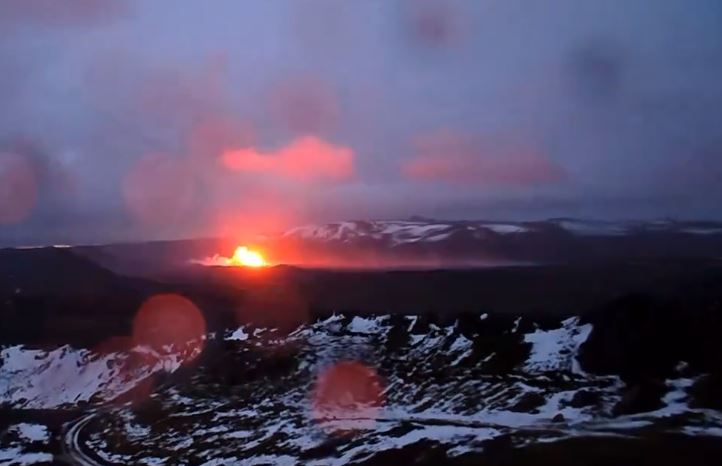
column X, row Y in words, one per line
column 247, row 258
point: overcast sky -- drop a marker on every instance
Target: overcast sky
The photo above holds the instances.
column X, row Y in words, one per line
column 170, row 118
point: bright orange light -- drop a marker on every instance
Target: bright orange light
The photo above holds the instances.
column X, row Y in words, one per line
column 247, row 258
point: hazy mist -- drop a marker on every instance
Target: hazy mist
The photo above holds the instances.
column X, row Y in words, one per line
column 160, row 119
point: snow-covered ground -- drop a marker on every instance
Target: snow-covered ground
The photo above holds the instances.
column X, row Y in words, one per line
column 23, row 444
column 66, row 376
column 451, row 384
column 548, row 347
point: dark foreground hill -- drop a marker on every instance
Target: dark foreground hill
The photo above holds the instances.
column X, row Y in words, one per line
column 68, row 295
column 604, row 362
column 54, row 295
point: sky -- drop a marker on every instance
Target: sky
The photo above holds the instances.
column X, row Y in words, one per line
column 155, row 119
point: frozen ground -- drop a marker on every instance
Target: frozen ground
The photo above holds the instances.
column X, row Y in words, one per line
column 452, row 386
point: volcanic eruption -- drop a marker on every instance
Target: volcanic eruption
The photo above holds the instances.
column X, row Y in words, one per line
column 243, row 256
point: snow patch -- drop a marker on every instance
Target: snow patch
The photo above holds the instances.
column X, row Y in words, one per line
column 556, row 350
column 505, row 228
column 32, row 432
column 239, row 335
column 16, row 457
column 364, row 325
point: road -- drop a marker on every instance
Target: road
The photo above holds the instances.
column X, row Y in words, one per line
column 72, row 446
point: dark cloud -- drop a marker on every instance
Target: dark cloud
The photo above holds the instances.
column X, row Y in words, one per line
column 304, row 105
column 596, row 70
column 435, row 23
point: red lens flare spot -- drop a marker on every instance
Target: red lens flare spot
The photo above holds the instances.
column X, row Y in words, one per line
column 170, row 325
column 159, row 190
column 140, row 392
column 18, row 188
column 347, row 397
column 111, row 346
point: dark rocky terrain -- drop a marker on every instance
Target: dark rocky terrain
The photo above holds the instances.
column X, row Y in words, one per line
column 614, row 361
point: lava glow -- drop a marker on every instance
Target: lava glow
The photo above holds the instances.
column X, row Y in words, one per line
column 247, row 258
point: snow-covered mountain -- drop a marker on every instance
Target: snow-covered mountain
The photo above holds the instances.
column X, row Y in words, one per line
column 448, row 243
column 66, row 377
column 397, row 232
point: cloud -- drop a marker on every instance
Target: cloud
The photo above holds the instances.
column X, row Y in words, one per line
column 435, row 23
column 626, row 107
column 305, row 159
column 304, row 105
column 159, row 190
column 456, row 158
column 60, row 12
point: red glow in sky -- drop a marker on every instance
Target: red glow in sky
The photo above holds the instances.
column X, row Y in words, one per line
column 306, row 159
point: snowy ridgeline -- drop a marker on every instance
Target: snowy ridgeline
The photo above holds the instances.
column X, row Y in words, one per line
column 399, row 232
column 66, row 376
column 63, row 377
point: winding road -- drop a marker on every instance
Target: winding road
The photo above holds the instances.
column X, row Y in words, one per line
column 72, row 447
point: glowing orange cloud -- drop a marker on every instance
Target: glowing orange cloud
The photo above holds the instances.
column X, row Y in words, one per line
column 308, row 158
column 207, row 139
column 457, row 159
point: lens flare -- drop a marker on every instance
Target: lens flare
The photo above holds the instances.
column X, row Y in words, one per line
column 18, row 188
column 170, row 325
column 247, row 258
column 347, row 397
